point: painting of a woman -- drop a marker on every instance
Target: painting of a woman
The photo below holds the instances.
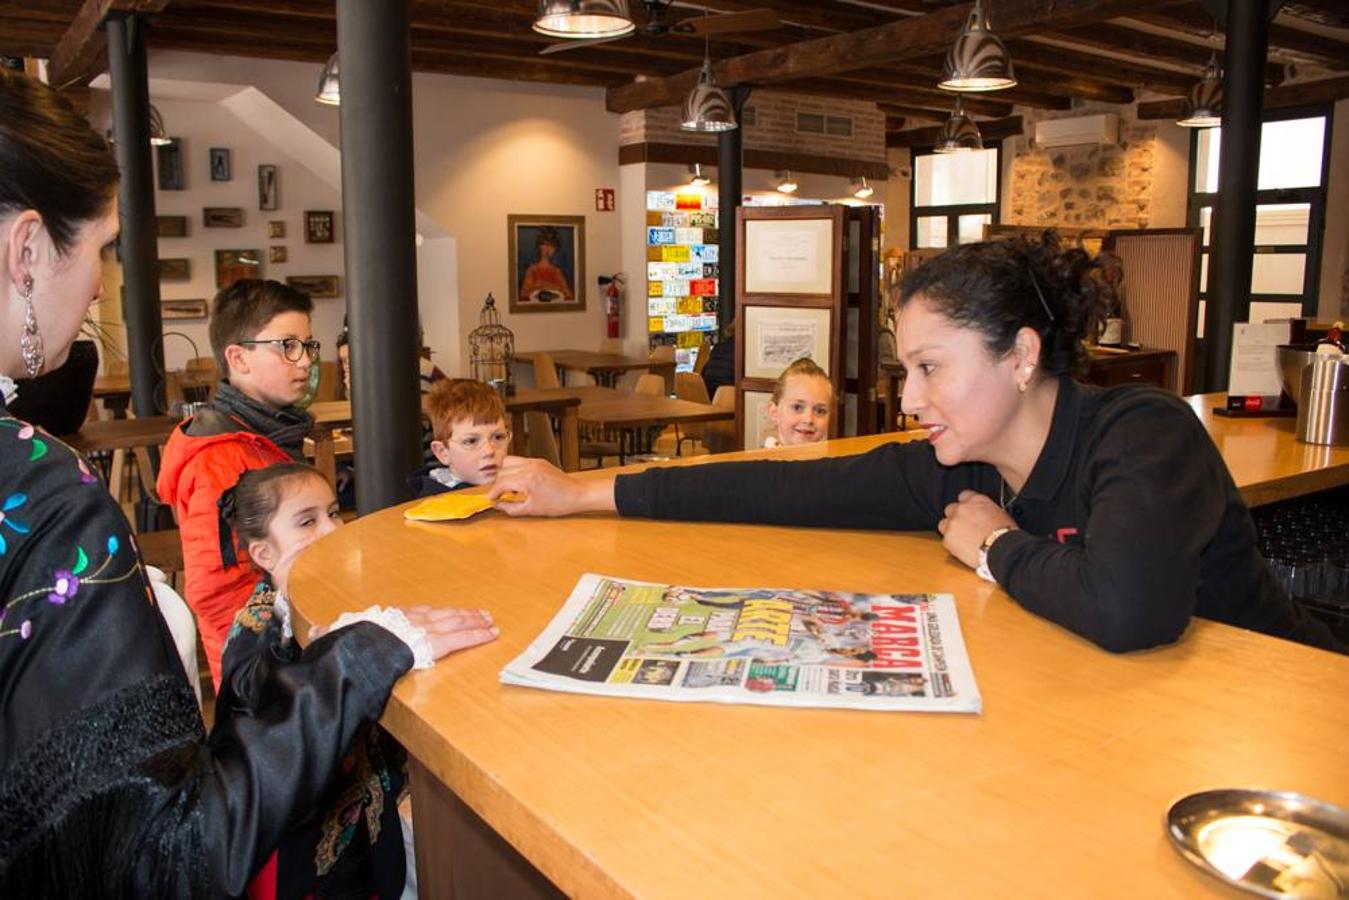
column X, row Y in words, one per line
column 547, row 263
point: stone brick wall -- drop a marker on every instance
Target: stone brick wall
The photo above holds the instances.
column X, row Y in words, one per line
column 774, row 127
column 1083, row 187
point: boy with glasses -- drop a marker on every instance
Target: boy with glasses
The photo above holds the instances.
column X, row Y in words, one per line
column 262, row 341
column 470, row 437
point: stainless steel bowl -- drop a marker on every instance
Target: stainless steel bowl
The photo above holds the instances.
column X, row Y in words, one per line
column 1320, row 387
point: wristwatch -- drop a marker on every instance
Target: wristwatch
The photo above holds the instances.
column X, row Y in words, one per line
column 982, row 569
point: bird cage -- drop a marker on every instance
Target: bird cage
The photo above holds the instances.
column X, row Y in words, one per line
column 491, row 350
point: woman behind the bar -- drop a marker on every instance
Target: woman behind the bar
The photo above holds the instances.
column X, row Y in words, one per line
column 1108, row 511
column 108, row 786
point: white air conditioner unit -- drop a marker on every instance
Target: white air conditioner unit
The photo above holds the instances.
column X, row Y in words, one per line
column 1101, row 129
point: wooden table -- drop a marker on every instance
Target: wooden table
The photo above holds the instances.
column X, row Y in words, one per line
column 332, row 415
column 122, row 434
column 115, row 389
column 608, row 409
column 605, row 368
column 1266, row 460
column 1058, row 787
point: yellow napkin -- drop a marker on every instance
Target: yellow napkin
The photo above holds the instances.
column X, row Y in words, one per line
column 454, row 505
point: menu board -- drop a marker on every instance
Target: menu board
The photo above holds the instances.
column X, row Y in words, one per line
column 681, row 270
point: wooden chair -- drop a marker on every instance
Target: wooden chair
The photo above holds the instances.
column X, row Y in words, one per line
column 665, row 355
column 545, row 372
column 540, row 441
column 161, row 548
column 654, row 385
column 700, row 359
column 689, row 386
column 719, row 437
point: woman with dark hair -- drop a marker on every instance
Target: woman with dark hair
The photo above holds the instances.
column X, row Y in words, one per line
column 108, row 785
column 1108, row 511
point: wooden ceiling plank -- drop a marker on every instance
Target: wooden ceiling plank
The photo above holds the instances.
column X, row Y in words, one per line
column 885, row 44
column 80, row 47
column 1145, row 44
column 1306, row 93
column 1323, row 12
column 1317, row 49
column 1026, row 53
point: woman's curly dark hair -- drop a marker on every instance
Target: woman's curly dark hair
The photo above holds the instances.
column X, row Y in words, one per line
column 999, row 287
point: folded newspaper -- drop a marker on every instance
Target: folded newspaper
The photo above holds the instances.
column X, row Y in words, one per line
column 623, row 638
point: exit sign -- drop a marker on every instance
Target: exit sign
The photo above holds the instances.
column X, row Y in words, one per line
column 604, row 199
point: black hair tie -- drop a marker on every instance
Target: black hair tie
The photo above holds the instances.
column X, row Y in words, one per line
column 225, row 525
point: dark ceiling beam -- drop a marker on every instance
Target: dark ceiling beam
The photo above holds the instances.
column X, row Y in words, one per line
column 872, row 93
column 1040, row 57
column 912, row 78
column 18, row 38
column 1306, row 93
column 996, row 130
column 901, row 112
column 1145, row 44
column 83, row 45
column 902, row 39
column 1304, row 46
column 771, row 160
column 1323, row 12
column 895, row 123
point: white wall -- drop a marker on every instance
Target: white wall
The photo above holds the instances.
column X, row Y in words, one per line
column 483, row 149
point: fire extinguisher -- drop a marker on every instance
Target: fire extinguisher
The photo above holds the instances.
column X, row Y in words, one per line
column 611, row 284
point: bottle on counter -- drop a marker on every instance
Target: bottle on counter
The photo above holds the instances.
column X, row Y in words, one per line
column 1333, row 343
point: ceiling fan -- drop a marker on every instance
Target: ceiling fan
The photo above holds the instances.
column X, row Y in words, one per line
column 702, row 26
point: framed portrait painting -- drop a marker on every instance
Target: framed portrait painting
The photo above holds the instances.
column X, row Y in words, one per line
column 547, row 263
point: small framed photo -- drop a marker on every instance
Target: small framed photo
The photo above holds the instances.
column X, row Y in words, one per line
column 170, row 159
column 231, row 265
column 171, row 226
column 276, row 229
column 318, row 226
column 276, row 254
column 220, row 164
column 222, row 217
column 316, row 286
column 183, row 309
column 267, row 187
column 175, row 270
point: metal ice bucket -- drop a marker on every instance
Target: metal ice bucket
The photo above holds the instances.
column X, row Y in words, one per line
column 1320, row 384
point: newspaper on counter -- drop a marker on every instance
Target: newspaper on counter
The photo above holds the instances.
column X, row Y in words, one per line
column 620, row 638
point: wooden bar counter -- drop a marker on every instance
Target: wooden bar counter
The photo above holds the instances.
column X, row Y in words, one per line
column 1058, row 787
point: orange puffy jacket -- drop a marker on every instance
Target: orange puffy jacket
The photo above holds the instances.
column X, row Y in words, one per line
column 193, row 473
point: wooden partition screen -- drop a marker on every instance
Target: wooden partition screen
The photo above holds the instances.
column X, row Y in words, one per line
column 865, row 318
column 790, row 302
column 1161, row 291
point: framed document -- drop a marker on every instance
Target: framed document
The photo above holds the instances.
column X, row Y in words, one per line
column 789, row 256
column 777, row 336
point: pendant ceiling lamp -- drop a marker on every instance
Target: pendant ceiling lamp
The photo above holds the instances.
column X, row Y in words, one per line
column 707, row 107
column 584, row 18
column 1204, row 106
column 696, row 176
column 330, row 84
column 786, row 183
column 978, row 61
column 158, row 136
column 959, row 134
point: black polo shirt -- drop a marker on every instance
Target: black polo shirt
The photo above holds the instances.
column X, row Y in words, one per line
column 1129, row 522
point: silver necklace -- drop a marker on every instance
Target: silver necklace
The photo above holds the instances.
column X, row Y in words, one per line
column 1003, row 499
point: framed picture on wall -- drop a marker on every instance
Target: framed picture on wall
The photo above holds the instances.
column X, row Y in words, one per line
column 276, row 254
column 222, row 217
column 267, row 187
column 183, row 309
column 317, row 286
column 318, row 226
column 220, row 164
column 777, row 336
column 169, row 158
column 171, row 226
column 547, row 263
column 789, row 256
column 175, row 270
column 231, row 265
column 276, row 229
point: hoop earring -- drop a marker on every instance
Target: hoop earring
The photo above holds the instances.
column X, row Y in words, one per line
column 30, row 343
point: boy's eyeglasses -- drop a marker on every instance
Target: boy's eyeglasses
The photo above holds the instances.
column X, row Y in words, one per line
column 291, row 348
column 474, row 441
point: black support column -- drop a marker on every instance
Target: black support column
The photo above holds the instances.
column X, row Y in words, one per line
column 730, row 185
column 136, row 210
column 1230, row 260
column 378, row 208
